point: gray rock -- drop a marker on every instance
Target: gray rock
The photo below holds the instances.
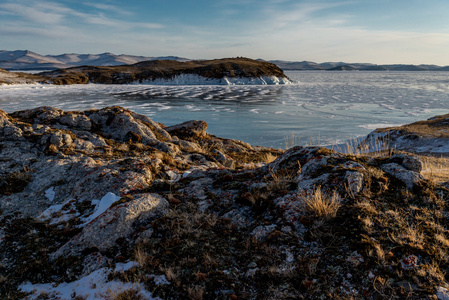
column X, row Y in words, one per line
column 411, row 163
column 355, row 181
column 442, row 293
column 116, row 222
column 410, row 178
column 192, row 128
column 76, row 121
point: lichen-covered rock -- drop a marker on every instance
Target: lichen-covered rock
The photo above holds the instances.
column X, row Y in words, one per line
column 188, row 129
column 355, row 181
column 117, row 222
column 76, row 121
column 411, row 163
column 410, row 178
column 120, row 124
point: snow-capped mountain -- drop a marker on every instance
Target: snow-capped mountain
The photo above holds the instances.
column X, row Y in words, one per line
column 27, row 60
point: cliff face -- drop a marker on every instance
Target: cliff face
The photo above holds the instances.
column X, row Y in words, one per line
column 110, row 198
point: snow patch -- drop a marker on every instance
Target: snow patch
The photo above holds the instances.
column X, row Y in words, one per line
column 50, row 194
column 122, row 267
column 102, row 206
column 91, row 287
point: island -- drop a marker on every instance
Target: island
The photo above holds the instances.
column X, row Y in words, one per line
column 227, row 71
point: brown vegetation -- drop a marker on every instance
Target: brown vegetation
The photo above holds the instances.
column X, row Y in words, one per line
column 165, row 69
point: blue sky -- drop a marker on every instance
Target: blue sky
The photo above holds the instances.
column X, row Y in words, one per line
column 376, row 31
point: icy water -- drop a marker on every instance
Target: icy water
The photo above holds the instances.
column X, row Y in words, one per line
column 323, row 108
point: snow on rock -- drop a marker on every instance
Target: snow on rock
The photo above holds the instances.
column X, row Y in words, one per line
column 91, row 287
column 122, row 267
column 117, row 222
column 102, row 206
column 160, row 279
column 50, row 194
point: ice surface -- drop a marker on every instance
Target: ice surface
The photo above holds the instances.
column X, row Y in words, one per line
column 324, row 108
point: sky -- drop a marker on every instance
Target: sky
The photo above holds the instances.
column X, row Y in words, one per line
column 370, row 31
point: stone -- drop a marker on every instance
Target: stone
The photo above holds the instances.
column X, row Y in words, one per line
column 76, row 121
column 410, row 178
column 442, row 293
column 116, row 222
column 412, row 163
column 355, row 181
column 194, row 128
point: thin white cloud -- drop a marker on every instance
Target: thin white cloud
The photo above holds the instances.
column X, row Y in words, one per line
column 47, row 12
column 32, row 13
column 108, row 7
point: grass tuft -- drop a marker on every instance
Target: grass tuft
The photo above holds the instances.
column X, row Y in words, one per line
column 322, row 205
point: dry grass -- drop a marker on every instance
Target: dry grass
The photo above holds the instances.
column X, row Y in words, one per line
column 195, row 292
column 268, row 157
column 435, row 127
column 130, row 294
column 291, row 140
column 281, row 180
column 435, row 168
column 322, row 205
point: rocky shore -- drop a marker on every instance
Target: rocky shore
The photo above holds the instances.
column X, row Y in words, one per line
column 226, row 71
column 108, row 204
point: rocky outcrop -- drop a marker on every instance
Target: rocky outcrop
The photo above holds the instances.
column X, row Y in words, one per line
column 227, row 71
column 195, row 215
column 220, row 71
column 423, row 137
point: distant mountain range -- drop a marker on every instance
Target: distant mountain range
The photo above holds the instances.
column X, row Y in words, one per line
column 342, row 66
column 27, row 60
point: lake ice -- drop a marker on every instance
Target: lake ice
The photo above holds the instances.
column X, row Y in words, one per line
column 323, row 108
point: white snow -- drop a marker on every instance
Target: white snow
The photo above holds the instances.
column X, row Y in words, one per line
column 50, row 193
column 102, row 206
column 160, row 280
column 93, row 286
column 46, row 214
column 122, row 267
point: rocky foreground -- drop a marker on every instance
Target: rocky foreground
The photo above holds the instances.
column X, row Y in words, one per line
column 227, row 71
column 108, row 204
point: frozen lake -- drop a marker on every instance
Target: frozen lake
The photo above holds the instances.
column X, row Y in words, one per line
column 323, row 108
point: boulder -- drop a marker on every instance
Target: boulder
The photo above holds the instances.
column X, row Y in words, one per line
column 189, row 129
column 116, row 222
column 410, row 178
